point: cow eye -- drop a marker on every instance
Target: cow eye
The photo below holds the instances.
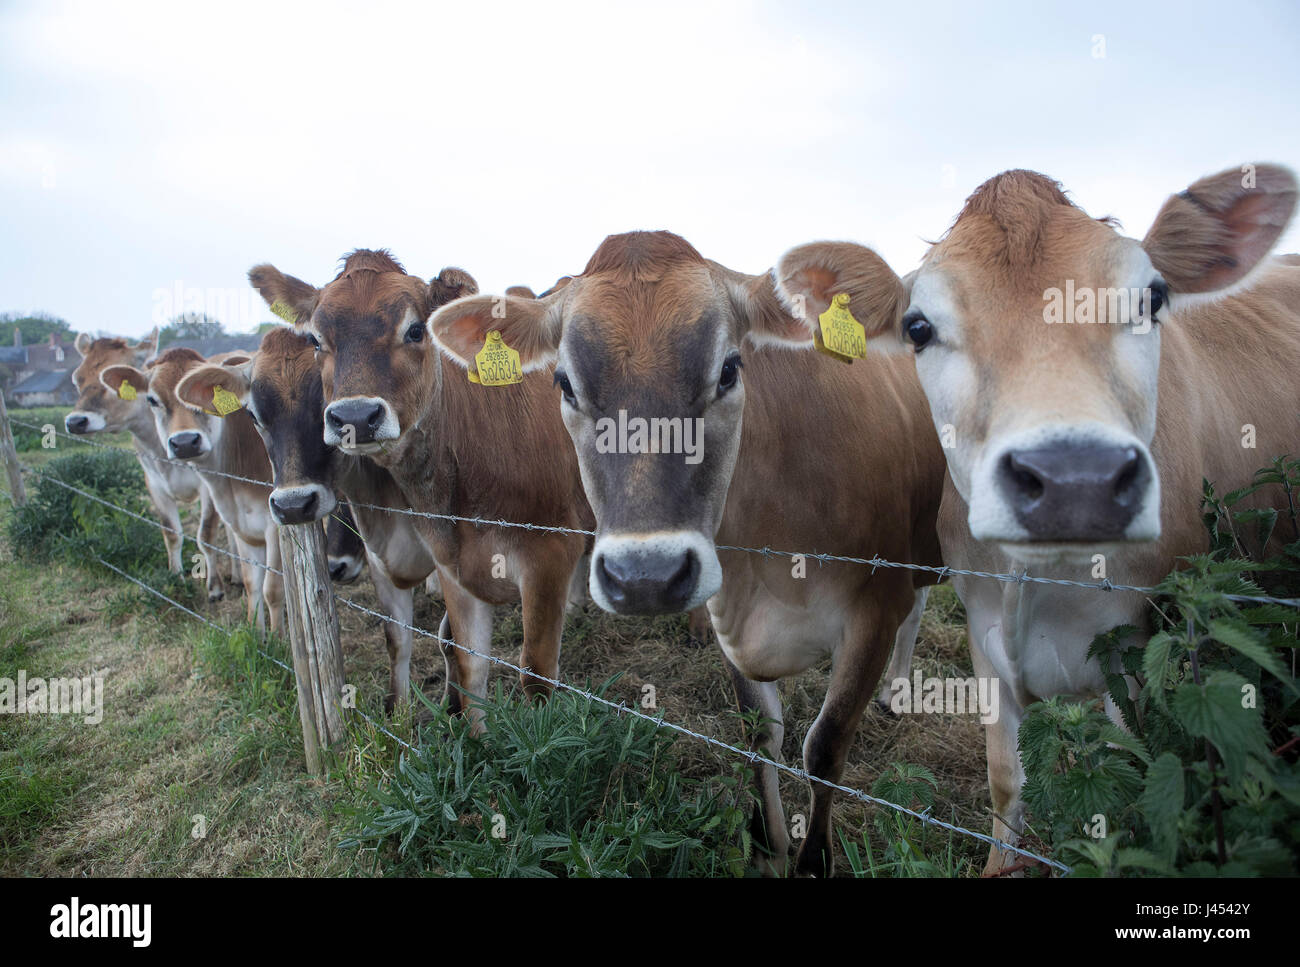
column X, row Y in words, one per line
column 919, row 331
column 730, row 373
column 1159, row 297
column 415, row 333
column 562, row 381
column 153, row 400
column 311, row 338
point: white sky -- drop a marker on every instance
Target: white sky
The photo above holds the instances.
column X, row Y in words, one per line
column 149, row 146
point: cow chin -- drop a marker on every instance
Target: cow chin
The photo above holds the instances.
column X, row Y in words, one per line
column 663, row 572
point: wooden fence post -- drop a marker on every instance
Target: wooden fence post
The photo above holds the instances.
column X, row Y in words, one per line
column 313, row 626
column 10, row 456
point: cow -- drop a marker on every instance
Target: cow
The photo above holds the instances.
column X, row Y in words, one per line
column 1085, row 433
column 454, row 448
column 281, row 390
column 189, row 423
column 650, row 330
column 103, row 409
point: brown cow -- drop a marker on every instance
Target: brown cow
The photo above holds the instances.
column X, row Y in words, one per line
column 1060, row 458
column 652, row 331
column 101, row 409
column 191, row 430
column 453, row 448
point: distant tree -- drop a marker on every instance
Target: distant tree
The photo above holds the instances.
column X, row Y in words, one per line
column 191, row 325
column 36, row 327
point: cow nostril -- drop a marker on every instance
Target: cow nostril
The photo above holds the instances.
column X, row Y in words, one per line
column 1025, row 482
column 1126, row 482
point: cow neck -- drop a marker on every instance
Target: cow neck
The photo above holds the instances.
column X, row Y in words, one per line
column 422, row 469
column 144, row 433
column 239, row 449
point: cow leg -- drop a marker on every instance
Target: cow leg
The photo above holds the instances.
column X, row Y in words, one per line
column 208, row 521
column 397, row 637
column 854, row 671
column 272, row 583
column 767, row 828
column 253, row 576
column 545, row 594
column 165, row 504
column 1006, row 775
column 471, row 627
column 900, row 662
column 236, row 569
column 699, row 626
column 432, row 587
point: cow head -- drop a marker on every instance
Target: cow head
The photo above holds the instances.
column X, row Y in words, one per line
column 1036, row 330
column 648, row 345
column 183, row 408
column 369, row 328
column 344, row 548
column 280, row 389
column 99, row 407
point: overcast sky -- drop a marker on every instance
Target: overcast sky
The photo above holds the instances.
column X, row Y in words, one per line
column 146, row 149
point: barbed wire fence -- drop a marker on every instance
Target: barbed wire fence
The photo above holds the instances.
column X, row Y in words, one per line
column 619, row 708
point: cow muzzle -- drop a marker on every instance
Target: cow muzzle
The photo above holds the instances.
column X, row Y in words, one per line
column 1068, row 489
column 360, row 423
column 301, row 505
column 81, row 421
column 346, row 569
column 188, row 444
column 659, row 573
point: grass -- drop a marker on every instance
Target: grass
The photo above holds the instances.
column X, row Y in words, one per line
column 198, row 724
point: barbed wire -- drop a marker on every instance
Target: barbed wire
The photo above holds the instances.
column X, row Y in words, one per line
column 942, row 571
column 751, row 755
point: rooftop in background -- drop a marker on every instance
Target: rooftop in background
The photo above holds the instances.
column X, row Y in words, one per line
column 218, row 344
column 46, row 381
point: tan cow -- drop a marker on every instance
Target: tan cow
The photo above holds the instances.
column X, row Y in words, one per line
column 496, row 452
column 1060, row 452
column 102, row 409
column 652, row 331
column 191, row 430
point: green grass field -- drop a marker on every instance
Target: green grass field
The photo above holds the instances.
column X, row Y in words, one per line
column 198, row 725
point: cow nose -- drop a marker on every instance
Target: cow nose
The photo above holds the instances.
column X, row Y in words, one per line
column 649, row 583
column 185, row 444
column 338, row 568
column 77, row 424
column 295, row 506
column 1074, row 493
column 364, row 416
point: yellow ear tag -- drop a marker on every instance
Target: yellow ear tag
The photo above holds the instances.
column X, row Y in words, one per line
column 841, row 334
column 126, row 391
column 225, row 401
column 498, row 364
column 282, row 310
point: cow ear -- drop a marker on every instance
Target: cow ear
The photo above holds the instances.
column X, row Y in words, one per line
column 235, row 360
column 113, row 378
column 293, row 300
column 82, row 343
column 147, row 346
column 769, row 322
column 198, row 388
column 521, row 292
column 450, row 284
column 809, row 276
column 528, row 326
column 1211, row 236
